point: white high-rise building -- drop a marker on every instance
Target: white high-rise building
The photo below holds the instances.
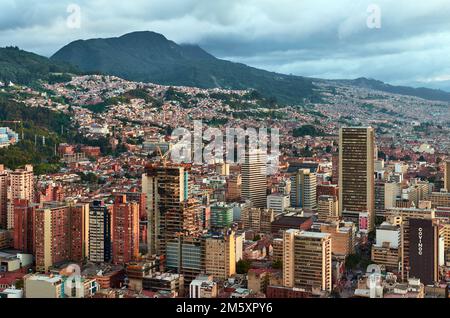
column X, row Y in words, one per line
column 304, row 189
column 254, row 178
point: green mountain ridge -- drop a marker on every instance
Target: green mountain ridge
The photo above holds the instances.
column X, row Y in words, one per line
column 23, row 67
column 150, row 57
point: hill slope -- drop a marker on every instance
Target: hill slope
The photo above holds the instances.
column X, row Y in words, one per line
column 422, row 92
column 150, row 57
column 23, row 67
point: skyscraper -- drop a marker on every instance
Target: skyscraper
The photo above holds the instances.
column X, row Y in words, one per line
column 125, row 233
column 447, row 176
column 170, row 211
column 356, row 173
column 254, row 178
column 303, row 189
column 21, row 183
column 307, row 260
column 99, row 232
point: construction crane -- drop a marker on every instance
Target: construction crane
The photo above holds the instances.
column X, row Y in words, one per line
column 162, row 156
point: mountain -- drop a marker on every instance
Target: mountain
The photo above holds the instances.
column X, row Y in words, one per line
column 23, row 67
column 422, row 92
column 150, row 57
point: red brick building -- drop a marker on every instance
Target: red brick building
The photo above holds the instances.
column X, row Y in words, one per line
column 23, row 226
column 125, row 234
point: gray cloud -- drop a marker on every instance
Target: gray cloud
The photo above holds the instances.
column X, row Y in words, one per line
column 320, row 38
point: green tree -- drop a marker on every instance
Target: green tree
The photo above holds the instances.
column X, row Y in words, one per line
column 243, row 266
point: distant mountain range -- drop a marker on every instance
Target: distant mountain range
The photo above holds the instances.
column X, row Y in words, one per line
column 150, row 57
column 422, row 92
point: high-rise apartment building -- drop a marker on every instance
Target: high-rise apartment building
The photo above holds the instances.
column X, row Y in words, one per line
column 307, row 260
column 51, row 236
column 99, row 232
column 303, row 190
column 254, row 178
column 4, row 183
column 220, row 255
column 79, row 231
column 21, row 186
column 125, row 233
column 356, row 173
column 24, row 214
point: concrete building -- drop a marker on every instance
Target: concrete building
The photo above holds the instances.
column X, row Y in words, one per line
column 203, row 286
column 221, row 215
column 386, row 250
column 447, row 176
column 99, row 232
column 21, row 186
column 220, row 255
column 328, row 208
column 257, row 220
column 254, row 178
column 357, row 174
column 234, row 188
column 52, row 236
column 307, row 262
column 402, row 216
column 278, row 202
column 165, row 282
column 342, row 236
column 303, row 189
column 170, row 211
column 43, row 286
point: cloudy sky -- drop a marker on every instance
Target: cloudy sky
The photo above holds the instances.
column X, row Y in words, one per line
column 318, row 38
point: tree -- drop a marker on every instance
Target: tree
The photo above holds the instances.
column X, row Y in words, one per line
column 243, row 266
